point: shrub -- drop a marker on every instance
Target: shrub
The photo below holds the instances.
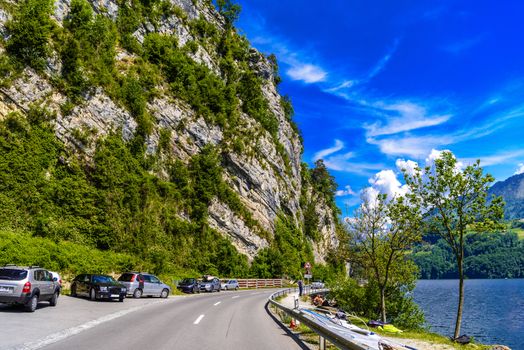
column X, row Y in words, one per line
column 30, row 31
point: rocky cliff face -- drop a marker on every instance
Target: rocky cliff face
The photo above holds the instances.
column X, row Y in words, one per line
column 266, row 178
column 512, row 190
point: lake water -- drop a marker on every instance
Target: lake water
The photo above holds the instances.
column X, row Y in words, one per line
column 493, row 309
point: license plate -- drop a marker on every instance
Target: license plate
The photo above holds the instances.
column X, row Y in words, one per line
column 6, row 289
column 115, row 296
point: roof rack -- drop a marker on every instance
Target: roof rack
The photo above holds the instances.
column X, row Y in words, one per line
column 33, row 266
column 7, row 265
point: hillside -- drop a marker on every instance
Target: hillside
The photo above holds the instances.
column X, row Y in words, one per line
column 153, row 129
column 512, row 190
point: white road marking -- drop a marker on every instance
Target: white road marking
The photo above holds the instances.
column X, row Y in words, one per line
column 236, row 296
column 66, row 333
column 254, row 293
column 215, row 304
column 197, row 321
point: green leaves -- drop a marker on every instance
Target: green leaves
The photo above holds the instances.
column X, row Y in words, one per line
column 455, row 200
column 30, row 31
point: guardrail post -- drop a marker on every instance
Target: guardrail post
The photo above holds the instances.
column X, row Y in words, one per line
column 321, row 343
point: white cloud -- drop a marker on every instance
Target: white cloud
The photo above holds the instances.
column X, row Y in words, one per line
column 369, row 195
column 386, row 182
column 413, row 146
column 342, row 161
column 520, row 169
column 307, row 73
column 339, row 90
column 347, row 191
column 407, row 165
column 383, row 61
column 326, row 152
column 401, row 117
column 418, row 146
column 494, row 159
column 346, row 84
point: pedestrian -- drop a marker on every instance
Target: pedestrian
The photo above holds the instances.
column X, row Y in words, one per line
column 300, row 286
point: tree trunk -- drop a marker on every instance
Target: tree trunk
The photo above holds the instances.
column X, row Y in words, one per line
column 383, row 304
column 461, row 296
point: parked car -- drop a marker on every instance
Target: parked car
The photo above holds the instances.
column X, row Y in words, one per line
column 317, row 285
column 27, row 286
column 96, row 287
column 189, row 285
column 230, row 285
column 141, row 284
column 210, row 284
column 57, row 278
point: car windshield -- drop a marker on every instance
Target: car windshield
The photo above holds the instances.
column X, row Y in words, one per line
column 103, row 279
column 188, row 280
column 12, row 274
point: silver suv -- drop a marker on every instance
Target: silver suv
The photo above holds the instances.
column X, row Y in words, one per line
column 140, row 284
column 27, row 286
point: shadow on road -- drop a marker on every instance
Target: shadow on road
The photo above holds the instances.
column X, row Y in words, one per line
column 288, row 332
column 19, row 309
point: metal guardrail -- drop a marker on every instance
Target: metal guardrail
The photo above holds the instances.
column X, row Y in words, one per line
column 335, row 338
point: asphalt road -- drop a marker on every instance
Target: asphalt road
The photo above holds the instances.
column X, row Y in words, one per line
column 225, row 320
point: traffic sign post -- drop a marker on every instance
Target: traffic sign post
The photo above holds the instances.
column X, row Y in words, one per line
column 307, row 275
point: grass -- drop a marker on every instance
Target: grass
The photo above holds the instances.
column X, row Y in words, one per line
column 433, row 338
column 422, row 335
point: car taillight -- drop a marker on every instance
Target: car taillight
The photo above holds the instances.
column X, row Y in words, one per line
column 60, row 281
column 27, row 288
column 133, row 278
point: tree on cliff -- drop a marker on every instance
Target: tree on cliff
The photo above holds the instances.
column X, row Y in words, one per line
column 30, row 31
column 454, row 202
column 229, row 10
column 381, row 234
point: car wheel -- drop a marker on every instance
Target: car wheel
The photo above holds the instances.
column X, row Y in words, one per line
column 164, row 294
column 73, row 291
column 225, row 288
column 236, row 288
column 121, row 298
column 54, row 300
column 31, row 304
column 92, row 294
column 137, row 293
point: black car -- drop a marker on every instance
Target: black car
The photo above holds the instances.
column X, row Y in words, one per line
column 189, row 285
column 98, row 287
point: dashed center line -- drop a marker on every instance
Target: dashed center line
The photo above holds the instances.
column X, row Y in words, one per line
column 197, row 321
column 236, row 296
column 215, row 304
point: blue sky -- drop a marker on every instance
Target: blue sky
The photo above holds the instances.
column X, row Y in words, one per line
column 373, row 82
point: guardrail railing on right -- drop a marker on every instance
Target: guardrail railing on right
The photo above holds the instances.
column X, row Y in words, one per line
column 336, row 338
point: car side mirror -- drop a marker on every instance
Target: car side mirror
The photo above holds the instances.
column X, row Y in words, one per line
column 55, row 279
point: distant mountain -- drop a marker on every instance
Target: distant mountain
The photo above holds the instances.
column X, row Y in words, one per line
column 512, row 190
